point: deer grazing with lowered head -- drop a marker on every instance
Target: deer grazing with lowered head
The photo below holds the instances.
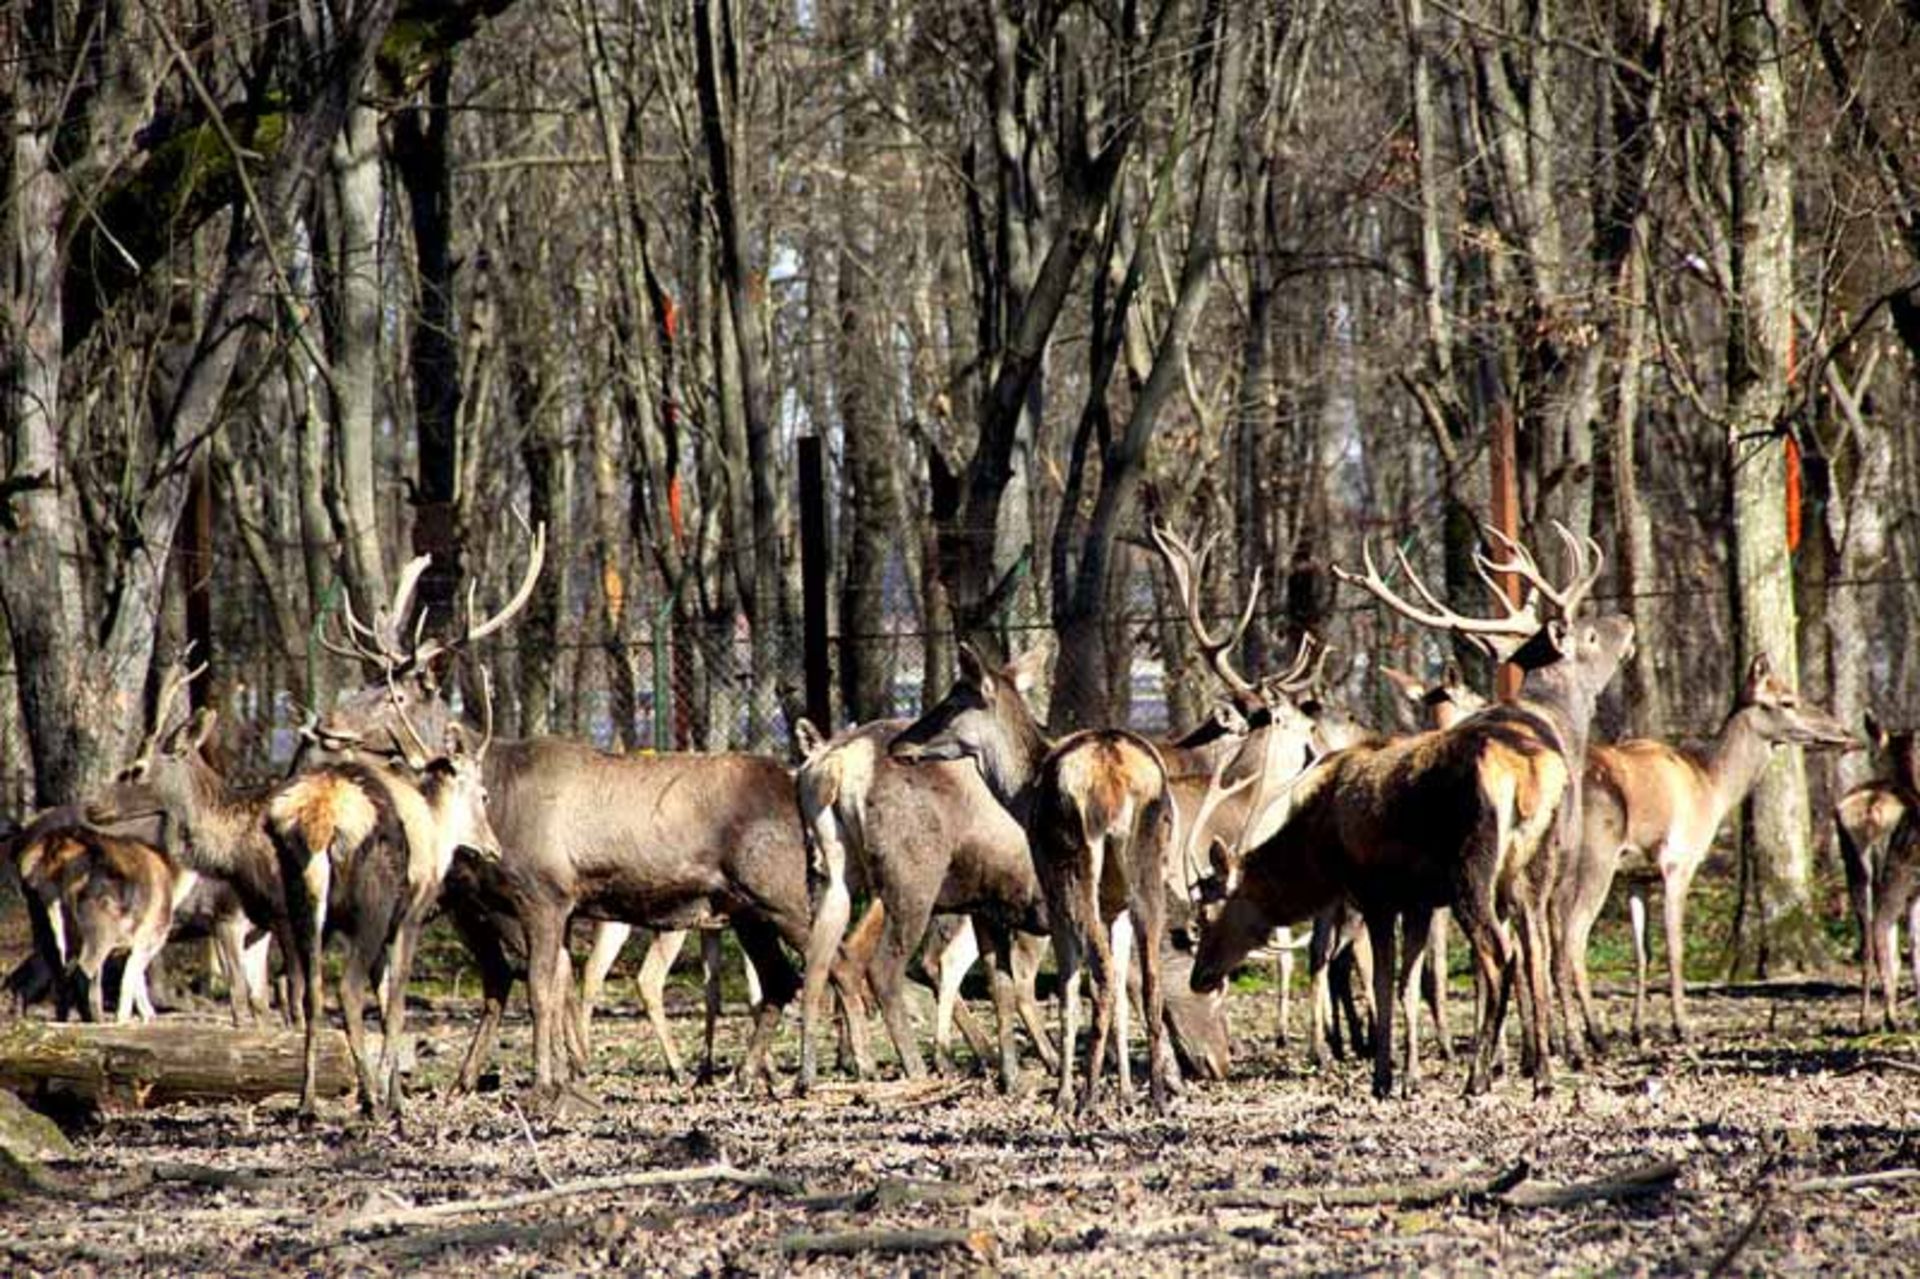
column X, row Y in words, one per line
column 1096, row 809
column 1648, row 805
column 1463, row 817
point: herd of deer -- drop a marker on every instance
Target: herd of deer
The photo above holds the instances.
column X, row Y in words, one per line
column 1188, row 853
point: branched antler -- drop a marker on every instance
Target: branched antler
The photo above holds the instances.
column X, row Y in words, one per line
column 1188, row 567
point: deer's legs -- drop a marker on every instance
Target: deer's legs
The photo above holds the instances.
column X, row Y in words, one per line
column 949, row 972
column 1381, row 939
column 1150, row 930
column 1067, row 952
column 1028, row 951
column 1473, row 910
column 1321, row 1030
column 711, row 976
column 546, row 939
column 1101, row 977
column 609, row 939
column 496, row 983
column 1120, row 948
column 307, row 901
column 907, row 913
column 1675, row 909
column 761, row 942
column 1283, row 978
column 652, row 981
column 1418, row 925
column 1434, row 981
column 1000, row 952
column 1637, row 917
column 833, row 909
column 355, row 978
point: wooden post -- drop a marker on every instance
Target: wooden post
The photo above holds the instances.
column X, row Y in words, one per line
column 193, row 558
column 814, row 568
column 1505, row 516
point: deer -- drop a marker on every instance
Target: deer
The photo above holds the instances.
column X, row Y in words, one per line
column 1096, row 805
column 1469, row 817
column 212, row 829
column 364, row 851
column 200, row 907
column 921, row 838
column 669, row 841
column 1649, row 804
column 1285, row 721
column 118, row 894
column 1879, row 839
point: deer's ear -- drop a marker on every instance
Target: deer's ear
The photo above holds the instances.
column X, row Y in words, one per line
column 1876, row 732
column 456, row 744
column 1759, row 670
column 1410, row 688
column 200, row 731
column 1025, row 670
column 974, row 669
column 806, row 738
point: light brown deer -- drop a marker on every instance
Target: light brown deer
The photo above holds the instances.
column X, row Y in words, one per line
column 1650, row 806
column 1462, row 817
column 921, row 839
column 1096, row 810
column 1879, row 829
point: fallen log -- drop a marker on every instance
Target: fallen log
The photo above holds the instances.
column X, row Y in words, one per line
column 135, row 1066
column 849, row 1243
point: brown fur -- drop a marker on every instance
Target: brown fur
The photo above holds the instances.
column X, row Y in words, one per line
column 1652, row 808
column 320, row 808
column 1457, row 817
column 117, row 894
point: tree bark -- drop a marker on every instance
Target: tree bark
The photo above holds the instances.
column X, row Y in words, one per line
column 1778, row 931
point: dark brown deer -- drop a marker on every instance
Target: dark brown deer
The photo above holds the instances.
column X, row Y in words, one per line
column 1097, row 813
column 1462, row 817
column 1650, row 806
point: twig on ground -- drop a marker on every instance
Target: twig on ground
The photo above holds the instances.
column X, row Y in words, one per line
column 1409, row 1194
column 526, row 1129
column 1648, row 1179
column 1857, row 1181
column 402, row 1217
column 846, row 1243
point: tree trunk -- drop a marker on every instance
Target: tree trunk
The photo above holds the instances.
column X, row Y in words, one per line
column 353, row 344
column 423, row 158
column 1778, row 931
column 140, row 1066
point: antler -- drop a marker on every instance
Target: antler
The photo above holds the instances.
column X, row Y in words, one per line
column 1584, row 560
column 1519, row 623
column 180, row 674
column 1188, row 567
column 383, row 643
column 1309, row 660
column 536, row 557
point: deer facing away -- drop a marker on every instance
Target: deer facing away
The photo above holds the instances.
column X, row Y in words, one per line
column 1096, row 812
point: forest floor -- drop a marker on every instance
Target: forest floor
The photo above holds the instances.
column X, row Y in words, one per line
column 1776, row 1095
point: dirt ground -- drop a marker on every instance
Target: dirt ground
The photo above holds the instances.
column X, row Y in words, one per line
column 1776, row 1093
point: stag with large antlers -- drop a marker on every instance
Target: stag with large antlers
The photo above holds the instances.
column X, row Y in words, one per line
column 1463, row 817
column 665, row 841
column 363, row 852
